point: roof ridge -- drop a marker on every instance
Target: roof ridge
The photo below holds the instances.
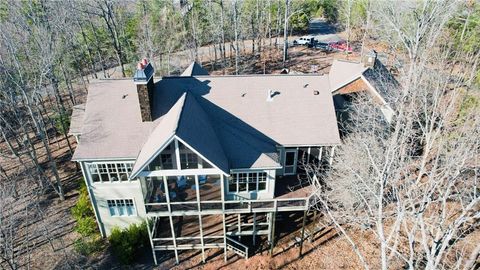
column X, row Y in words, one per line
column 206, row 117
column 180, row 111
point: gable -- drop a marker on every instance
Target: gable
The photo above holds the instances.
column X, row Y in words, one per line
column 196, row 130
column 187, row 122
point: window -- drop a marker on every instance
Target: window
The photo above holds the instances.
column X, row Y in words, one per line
column 130, row 207
column 109, row 172
column 167, row 162
column 188, row 161
column 112, row 206
column 262, row 181
column 92, row 168
column 247, row 182
column 252, row 181
column 121, row 207
column 206, row 165
column 232, row 183
column 242, row 182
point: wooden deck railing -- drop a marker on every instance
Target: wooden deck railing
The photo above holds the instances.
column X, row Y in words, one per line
column 233, row 206
column 237, row 247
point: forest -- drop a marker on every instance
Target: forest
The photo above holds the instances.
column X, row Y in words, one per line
column 412, row 188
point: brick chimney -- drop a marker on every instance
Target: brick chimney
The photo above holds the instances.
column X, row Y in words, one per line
column 144, row 80
column 370, row 58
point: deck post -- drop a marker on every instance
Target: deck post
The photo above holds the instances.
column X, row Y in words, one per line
column 254, row 228
column 239, row 227
column 222, row 187
column 200, row 224
column 303, row 232
column 320, row 152
column 224, row 239
column 174, row 240
column 272, row 237
column 172, row 228
column 150, row 235
column 332, row 152
column 314, row 224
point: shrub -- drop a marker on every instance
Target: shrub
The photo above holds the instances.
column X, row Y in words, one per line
column 88, row 245
column 86, row 226
column 128, row 243
column 82, row 212
column 83, row 207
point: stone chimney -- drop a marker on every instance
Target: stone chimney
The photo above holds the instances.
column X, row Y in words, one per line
column 144, row 80
column 370, row 58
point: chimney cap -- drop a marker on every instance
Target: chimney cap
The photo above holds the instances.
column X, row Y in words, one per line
column 143, row 74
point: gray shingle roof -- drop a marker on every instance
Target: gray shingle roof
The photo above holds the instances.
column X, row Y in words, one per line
column 196, row 129
column 227, row 119
column 379, row 77
column 344, row 72
column 160, row 137
column 194, row 69
column 76, row 121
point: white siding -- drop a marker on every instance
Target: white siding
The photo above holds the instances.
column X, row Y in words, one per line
column 101, row 192
column 111, row 191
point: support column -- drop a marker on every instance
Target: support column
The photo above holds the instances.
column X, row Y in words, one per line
column 272, row 237
column 320, row 156
column 150, row 235
column 200, row 224
column 254, row 228
column 174, row 239
column 303, row 232
column 172, row 228
column 332, row 151
column 222, row 187
column 314, row 225
column 225, row 257
column 239, row 227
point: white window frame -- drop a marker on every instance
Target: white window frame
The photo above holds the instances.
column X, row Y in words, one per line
column 238, row 178
column 118, row 169
column 120, row 207
column 294, row 165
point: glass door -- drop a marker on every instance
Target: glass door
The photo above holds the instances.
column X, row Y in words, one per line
column 290, row 162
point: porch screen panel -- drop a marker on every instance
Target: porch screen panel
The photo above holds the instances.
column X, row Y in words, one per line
column 210, row 187
column 182, row 188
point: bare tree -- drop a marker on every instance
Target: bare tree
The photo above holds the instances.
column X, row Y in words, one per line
column 412, row 184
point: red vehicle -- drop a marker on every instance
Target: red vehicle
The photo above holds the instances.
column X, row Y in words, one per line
column 341, row 46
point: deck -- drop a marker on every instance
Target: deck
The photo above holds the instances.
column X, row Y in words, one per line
column 291, row 194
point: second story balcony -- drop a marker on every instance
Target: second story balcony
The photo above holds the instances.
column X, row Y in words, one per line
column 189, row 195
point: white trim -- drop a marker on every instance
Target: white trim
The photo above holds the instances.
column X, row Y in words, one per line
column 254, row 169
column 307, row 145
column 177, row 155
column 106, row 163
column 104, row 159
column 152, row 157
column 387, row 111
column 179, row 172
column 116, row 207
column 247, row 191
column 375, row 92
column 294, row 165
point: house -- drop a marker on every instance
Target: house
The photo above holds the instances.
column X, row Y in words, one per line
column 205, row 159
column 370, row 76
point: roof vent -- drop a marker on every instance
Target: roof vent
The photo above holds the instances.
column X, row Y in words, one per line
column 316, row 92
column 271, row 94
